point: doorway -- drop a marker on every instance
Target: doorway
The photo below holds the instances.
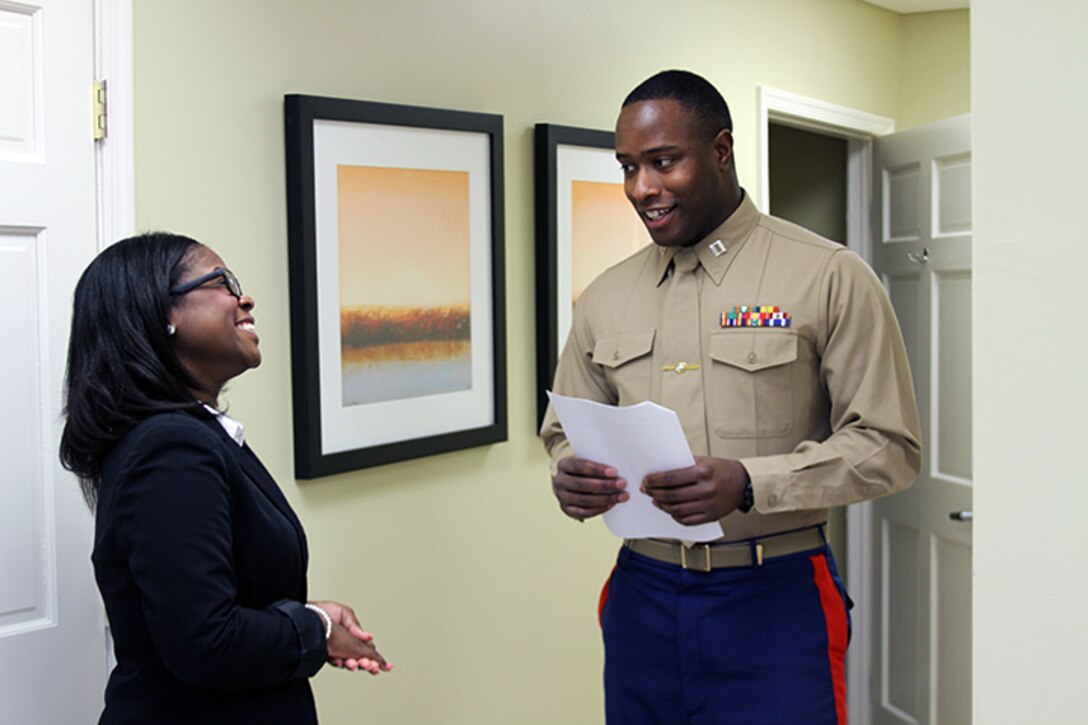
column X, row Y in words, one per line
column 855, row 130
column 808, row 179
column 807, row 185
column 919, row 674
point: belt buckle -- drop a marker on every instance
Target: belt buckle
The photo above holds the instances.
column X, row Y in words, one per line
column 684, row 557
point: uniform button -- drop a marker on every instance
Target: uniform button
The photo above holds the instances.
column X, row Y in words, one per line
column 615, row 354
column 772, row 500
column 753, row 358
column 681, row 367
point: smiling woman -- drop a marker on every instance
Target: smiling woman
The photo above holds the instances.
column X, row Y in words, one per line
column 199, row 558
column 214, row 335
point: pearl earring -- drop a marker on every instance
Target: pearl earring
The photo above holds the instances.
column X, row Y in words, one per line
column 170, row 329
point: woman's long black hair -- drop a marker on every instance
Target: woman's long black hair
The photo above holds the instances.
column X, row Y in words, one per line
column 121, row 366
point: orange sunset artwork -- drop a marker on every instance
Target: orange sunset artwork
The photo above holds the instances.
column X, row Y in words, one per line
column 604, row 230
column 404, row 282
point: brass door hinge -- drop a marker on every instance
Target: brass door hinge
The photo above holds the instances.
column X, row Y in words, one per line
column 99, row 105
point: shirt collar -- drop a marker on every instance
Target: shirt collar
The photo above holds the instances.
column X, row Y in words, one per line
column 234, row 428
column 717, row 250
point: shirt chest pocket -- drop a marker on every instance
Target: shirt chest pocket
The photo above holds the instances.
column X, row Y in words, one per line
column 750, row 384
column 626, row 360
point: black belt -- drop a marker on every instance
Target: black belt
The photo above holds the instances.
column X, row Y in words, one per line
column 708, row 556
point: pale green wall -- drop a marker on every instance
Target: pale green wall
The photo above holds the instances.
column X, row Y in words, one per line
column 935, row 67
column 479, row 590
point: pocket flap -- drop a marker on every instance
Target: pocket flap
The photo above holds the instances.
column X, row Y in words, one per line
column 617, row 348
column 754, row 350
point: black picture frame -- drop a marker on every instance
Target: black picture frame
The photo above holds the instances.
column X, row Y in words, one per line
column 551, row 142
column 323, row 136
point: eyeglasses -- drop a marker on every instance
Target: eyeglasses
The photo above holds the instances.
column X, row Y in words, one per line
column 229, row 280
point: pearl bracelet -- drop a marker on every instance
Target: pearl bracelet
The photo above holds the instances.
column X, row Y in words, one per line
column 325, row 616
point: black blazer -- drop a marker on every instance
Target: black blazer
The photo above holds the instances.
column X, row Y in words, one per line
column 202, row 567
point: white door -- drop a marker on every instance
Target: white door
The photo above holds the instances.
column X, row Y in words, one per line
column 920, row 596
column 52, row 638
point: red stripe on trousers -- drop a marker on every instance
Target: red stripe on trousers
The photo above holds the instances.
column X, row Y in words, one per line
column 838, row 630
column 604, row 597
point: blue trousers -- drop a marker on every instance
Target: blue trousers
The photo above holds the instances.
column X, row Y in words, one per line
column 750, row 645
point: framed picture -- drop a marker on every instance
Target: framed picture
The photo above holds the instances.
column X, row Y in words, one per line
column 395, row 236
column 584, row 225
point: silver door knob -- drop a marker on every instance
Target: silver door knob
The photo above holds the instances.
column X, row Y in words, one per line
column 962, row 515
column 919, row 258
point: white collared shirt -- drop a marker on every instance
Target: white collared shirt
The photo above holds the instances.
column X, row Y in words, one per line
column 234, row 428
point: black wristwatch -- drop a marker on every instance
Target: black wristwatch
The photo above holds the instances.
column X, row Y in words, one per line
column 749, row 499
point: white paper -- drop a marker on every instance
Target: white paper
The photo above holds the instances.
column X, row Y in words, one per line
column 636, row 440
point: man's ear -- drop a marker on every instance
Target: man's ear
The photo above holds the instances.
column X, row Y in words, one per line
column 723, row 148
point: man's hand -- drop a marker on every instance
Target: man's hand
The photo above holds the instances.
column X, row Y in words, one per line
column 709, row 490
column 585, row 488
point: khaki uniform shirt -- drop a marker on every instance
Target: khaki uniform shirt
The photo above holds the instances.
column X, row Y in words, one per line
column 820, row 413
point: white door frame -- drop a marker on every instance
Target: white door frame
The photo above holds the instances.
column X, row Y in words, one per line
column 858, row 128
column 115, row 187
column 114, row 155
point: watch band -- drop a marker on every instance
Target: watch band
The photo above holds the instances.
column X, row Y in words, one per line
column 749, row 499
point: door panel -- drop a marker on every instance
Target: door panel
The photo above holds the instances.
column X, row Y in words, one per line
column 922, row 610
column 51, row 629
column 953, row 633
column 29, row 582
column 898, row 633
column 951, row 431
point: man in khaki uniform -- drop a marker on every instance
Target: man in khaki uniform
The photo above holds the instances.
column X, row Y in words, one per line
column 780, row 352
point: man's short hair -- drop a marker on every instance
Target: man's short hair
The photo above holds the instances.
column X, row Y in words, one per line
column 692, row 91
